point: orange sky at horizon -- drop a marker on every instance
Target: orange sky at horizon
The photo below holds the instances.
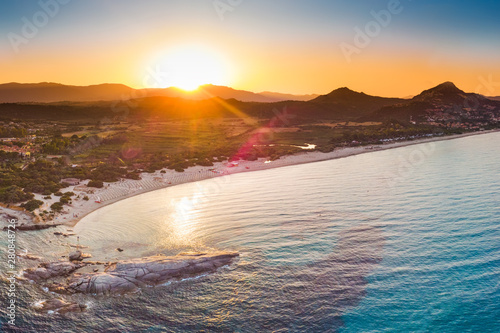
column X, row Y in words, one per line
column 375, row 77
column 250, row 49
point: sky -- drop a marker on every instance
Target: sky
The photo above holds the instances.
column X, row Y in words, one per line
column 387, row 48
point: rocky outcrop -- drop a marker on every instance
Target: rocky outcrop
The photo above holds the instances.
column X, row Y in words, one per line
column 32, row 227
column 128, row 276
column 58, row 305
column 28, row 256
column 125, row 276
column 78, row 256
column 58, row 233
column 47, row 271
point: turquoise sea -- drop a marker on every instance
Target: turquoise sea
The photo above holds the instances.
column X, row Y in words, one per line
column 401, row 240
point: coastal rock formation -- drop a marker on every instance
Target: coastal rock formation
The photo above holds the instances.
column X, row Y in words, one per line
column 28, row 256
column 21, row 217
column 59, row 305
column 58, row 233
column 128, row 276
column 78, row 256
column 51, row 270
column 33, row 227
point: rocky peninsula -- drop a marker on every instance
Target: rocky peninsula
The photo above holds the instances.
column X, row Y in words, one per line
column 128, row 275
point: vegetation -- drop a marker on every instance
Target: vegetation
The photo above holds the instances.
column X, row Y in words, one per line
column 389, row 130
column 95, row 183
column 9, row 159
column 60, row 145
column 57, row 207
column 13, row 132
column 32, row 205
column 14, row 194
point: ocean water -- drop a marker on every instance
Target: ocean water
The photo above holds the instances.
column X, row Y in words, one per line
column 402, row 240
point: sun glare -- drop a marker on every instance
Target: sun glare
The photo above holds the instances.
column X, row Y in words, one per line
column 189, row 67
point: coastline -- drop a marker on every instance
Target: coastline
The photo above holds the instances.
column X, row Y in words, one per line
column 124, row 189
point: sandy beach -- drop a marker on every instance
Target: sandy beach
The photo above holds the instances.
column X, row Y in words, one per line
column 126, row 188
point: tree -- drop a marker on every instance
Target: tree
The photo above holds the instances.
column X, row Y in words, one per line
column 56, row 206
column 65, row 200
column 94, row 183
column 32, row 205
column 13, row 194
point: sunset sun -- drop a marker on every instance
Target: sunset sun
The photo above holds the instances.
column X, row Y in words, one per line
column 189, row 67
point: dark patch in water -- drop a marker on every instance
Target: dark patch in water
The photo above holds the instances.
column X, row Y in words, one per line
column 327, row 288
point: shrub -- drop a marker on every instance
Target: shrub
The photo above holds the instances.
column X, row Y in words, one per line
column 107, row 173
column 64, row 200
column 13, row 194
column 32, row 205
column 95, row 183
column 133, row 175
column 205, row 162
column 56, row 207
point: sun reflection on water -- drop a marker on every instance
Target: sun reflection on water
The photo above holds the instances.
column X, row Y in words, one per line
column 181, row 224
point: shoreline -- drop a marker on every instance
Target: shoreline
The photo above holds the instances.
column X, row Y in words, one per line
column 126, row 188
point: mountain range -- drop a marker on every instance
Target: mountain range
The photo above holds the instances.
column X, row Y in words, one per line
column 440, row 105
column 47, row 92
column 443, row 102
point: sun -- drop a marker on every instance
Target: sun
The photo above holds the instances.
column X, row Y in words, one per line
column 188, row 67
